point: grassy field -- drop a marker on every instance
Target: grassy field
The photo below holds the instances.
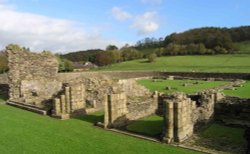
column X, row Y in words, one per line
column 215, row 63
column 151, row 126
column 243, row 92
column 193, row 86
column 26, row 132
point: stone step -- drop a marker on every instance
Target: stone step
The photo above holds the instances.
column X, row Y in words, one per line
column 27, row 107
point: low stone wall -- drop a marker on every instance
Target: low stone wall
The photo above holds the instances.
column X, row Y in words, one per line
column 244, row 76
column 138, row 74
column 233, row 111
column 120, row 109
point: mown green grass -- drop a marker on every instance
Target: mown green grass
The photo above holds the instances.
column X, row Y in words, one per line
column 151, row 126
column 177, row 85
column 26, row 132
column 212, row 63
column 223, row 138
column 227, row 134
column 244, row 47
column 243, row 92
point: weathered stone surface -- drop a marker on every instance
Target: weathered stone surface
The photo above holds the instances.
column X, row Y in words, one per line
column 178, row 121
column 115, row 110
column 32, row 77
column 233, row 111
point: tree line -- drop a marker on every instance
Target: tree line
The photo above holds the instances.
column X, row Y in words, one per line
column 199, row 41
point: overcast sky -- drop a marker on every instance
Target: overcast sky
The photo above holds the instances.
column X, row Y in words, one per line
column 70, row 25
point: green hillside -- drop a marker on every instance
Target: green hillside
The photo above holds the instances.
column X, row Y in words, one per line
column 208, row 63
column 244, row 47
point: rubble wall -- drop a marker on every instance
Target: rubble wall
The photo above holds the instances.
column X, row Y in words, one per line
column 139, row 74
column 233, row 111
column 32, row 77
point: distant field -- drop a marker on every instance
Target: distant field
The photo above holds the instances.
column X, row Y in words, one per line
column 193, row 86
column 211, row 63
column 243, row 92
column 244, row 47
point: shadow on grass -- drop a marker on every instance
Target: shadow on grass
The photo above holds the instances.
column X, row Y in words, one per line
column 151, row 128
column 92, row 118
column 223, row 138
column 3, row 98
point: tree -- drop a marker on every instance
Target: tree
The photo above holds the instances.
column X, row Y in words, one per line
column 104, row 58
column 69, row 67
column 65, row 65
column 152, row 57
column 111, row 47
column 3, row 63
column 130, row 54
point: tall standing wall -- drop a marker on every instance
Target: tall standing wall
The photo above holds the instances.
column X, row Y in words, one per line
column 32, row 77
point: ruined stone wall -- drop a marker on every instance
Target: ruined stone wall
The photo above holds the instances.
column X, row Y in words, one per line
column 233, row 111
column 70, row 102
column 178, row 118
column 4, row 87
column 3, row 79
column 138, row 74
column 183, row 113
column 32, row 77
column 132, row 102
column 115, row 109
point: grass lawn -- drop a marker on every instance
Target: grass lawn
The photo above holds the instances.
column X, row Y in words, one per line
column 151, row 126
column 243, row 92
column 220, row 137
column 27, row 132
column 208, row 63
column 177, row 85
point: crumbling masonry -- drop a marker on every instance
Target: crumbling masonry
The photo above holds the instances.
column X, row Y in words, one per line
column 35, row 85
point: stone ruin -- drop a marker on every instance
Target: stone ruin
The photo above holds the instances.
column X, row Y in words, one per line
column 181, row 114
column 32, row 78
column 35, row 85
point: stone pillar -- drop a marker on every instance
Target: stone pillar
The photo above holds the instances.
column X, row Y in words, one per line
column 106, row 112
column 94, row 104
column 63, row 104
column 67, row 97
column 169, row 122
column 178, row 126
column 57, row 107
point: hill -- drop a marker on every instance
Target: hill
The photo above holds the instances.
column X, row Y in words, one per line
column 243, row 47
column 208, row 63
